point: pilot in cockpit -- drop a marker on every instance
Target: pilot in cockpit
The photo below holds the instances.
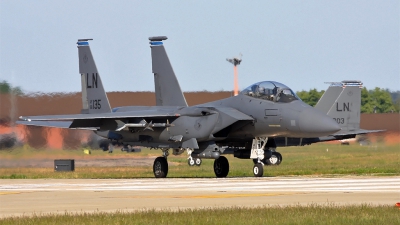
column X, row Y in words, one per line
column 260, row 91
column 274, row 93
column 271, row 91
column 257, row 91
column 283, row 95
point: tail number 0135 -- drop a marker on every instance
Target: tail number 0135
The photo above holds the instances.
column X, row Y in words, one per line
column 95, row 104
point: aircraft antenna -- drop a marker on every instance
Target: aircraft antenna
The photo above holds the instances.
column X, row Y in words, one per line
column 235, row 61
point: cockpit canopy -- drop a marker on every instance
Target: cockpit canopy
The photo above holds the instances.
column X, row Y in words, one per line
column 271, row 91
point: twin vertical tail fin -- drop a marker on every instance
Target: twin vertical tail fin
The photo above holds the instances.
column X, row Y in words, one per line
column 167, row 89
column 342, row 102
column 94, row 98
column 329, row 97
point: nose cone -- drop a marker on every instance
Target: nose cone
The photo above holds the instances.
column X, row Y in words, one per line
column 313, row 123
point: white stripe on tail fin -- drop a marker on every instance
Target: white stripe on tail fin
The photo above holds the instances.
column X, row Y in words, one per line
column 94, row 98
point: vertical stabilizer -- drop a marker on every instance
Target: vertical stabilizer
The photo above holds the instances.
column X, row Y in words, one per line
column 167, row 89
column 347, row 107
column 94, row 98
column 329, row 97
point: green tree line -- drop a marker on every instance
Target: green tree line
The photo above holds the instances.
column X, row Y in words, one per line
column 6, row 88
column 376, row 100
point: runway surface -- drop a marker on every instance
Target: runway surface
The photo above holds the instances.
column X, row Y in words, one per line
column 24, row 197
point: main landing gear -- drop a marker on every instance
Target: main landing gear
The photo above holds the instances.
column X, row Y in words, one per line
column 160, row 166
column 221, row 167
column 221, row 164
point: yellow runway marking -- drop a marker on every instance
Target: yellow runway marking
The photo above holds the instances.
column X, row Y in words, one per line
column 9, row 193
column 213, row 196
column 230, row 195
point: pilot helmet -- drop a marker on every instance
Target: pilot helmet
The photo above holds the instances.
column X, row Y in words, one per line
column 286, row 92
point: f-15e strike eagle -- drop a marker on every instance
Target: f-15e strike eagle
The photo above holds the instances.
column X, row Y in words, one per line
column 248, row 125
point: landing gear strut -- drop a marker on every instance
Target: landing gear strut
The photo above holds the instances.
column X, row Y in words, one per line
column 257, row 154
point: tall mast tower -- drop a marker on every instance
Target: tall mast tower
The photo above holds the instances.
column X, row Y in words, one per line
column 235, row 61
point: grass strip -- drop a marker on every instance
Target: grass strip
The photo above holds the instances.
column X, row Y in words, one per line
column 311, row 214
column 314, row 160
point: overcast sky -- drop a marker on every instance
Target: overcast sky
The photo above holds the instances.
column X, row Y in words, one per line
column 299, row 43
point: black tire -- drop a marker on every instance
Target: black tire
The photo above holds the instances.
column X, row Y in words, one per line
column 221, row 167
column 160, row 167
column 191, row 162
column 274, row 160
column 198, row 161
column 258, row 170
column 280, row 157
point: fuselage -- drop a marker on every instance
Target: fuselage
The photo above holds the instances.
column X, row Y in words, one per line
column 278, row 119
column 293, row 119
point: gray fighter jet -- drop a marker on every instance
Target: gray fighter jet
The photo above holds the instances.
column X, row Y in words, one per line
column 341, row 101
column 246, row 124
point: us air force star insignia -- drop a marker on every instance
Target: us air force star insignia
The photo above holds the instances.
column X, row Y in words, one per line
column 350, row 93
column 85, row 59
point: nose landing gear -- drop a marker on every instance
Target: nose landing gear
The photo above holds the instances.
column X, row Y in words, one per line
column 257, row 154
column 258, row 170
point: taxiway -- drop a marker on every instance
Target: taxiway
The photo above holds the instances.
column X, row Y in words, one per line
column 43, row 196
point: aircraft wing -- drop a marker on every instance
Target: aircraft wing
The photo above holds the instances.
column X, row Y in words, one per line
column 115, row 115
column 355, row 132
column 342, row 135
column 91, row 121
column 58, row 124
column 55, row 124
